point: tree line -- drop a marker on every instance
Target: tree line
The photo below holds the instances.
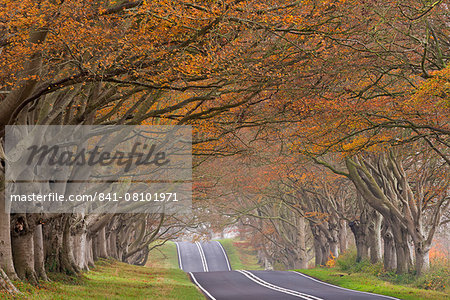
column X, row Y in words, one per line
column 359, row 88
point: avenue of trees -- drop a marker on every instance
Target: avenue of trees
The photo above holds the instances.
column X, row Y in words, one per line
column 313, row 120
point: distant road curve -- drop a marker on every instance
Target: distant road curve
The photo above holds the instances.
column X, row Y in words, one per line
column 207, row 264
column 202, row 257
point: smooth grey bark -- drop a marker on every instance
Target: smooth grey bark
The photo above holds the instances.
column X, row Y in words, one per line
column 375, row 236
column 94, row 249
column 317, row 253
column 343, row 240
column 389, row 257
column 422, row 259
column 68, row 264
column 321, row 249
column 303, row 257
column 58, row 249
column 79, row 249
column 101, row 244
column 23, row 255
column 402, row 250
column 6, row 258
column 39, row 257
column 333, row 240
column 359, row 231
column 90, row 252
column 112, row 244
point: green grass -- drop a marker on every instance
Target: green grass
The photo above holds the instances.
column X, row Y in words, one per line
column 164, row 256
column 370, row 283
column 241, row 254
column 114, row 280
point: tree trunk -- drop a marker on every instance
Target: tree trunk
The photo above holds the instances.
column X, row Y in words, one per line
column 53, row 237
column 375, row 237
column 362, row 249
column 68, row 264
column 94, row 249
column 334, row 249
column 113, row 245
column 302, row 255
column 333, row 244
column 402, row 249
column 325, row 255
column 6, row 258
column 422, row 260
column 333, row 239
column 343, row 241
column 39, row 258
column 90, row 253
column 79, row 246
column 267, row 264
column 317, row 253
column 390, row 259
column 108, row 245
column 101, row 244
column 120, row 252
column 23, row 255
column 59, row 257
column 402, row 259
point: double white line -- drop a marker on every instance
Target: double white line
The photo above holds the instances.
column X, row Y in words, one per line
column 202, row 256
column 277, row 288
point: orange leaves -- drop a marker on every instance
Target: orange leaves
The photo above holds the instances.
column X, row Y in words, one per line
column 316, row 215
column 331, row 262
column 439, row 252
column 434, row 93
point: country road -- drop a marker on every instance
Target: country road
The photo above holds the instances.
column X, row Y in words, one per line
column 207, row 264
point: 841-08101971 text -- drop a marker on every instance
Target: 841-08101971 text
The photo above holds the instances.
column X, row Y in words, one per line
column 102, row 197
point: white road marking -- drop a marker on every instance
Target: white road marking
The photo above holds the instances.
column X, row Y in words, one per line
column 202, row 256
column 342, row 288
column 225, row 254
column 277, row 288
column 179, row 256
column 202, row 288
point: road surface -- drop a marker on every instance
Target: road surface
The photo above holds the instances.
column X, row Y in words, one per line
column 207, row 264
column 202, row 257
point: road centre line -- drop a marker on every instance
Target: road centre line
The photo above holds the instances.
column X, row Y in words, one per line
column 274, row 287
column 202, row 256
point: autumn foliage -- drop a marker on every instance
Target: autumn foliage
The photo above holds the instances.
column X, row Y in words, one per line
column 316, row 124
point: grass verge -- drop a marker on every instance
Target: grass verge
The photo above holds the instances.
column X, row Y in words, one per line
column 164, row 256
column 114, row 280
column 241, row 254
column 370, row 283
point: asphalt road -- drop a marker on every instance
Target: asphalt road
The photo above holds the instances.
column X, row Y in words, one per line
column 208, row 266
column 189, row 257
column 215, row 256
column 202, row 257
